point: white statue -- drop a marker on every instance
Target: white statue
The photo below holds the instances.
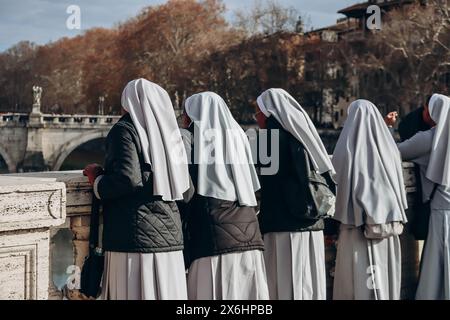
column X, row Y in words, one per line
column 101, row 105
column 37, row 93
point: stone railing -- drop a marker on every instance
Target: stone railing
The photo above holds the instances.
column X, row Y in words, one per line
column 79, row 119
column 59, row 119
column 29, row 207
column 44, row 230
column 67, row 241
column 9, row 118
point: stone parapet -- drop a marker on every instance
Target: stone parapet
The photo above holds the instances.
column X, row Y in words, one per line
column 29, row 207
column 69, row 241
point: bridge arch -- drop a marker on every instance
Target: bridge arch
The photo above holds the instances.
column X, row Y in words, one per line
column 9, row 162
column 69, row 147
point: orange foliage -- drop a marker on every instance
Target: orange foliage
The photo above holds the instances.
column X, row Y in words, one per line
column 165, row 43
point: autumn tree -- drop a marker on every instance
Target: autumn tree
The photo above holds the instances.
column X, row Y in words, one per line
column 245, row 70
column 101, row 70
column 187, row 46
column 58, row 70
column 16, row 77
column 168, row 43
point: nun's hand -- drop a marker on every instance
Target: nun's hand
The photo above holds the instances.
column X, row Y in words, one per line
column 391, row 119
column 92, row 171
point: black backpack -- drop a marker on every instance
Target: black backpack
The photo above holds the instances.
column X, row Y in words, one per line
column 322, row 192
column 92, row 271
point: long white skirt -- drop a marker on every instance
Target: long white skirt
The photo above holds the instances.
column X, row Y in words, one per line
column 367, row 269
column 295, row 264
column 234, row 276
column 149, row 276
column 434, row 282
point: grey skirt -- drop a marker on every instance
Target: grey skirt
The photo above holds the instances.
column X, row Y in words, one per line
column 149, row 276
column 234, row 276
column 434, row 282
column 367, row 269
column 295, row 264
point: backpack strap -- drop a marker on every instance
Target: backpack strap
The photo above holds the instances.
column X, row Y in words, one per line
column 94, row 226
column 436, row 186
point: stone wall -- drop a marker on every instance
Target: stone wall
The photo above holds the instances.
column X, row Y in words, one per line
column 66, row 270
column 28, row 208
column 69, row 240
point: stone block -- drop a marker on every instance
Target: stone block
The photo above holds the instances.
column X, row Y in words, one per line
column 81, row 233
column 28, row 208
column 29, row 203
column 81, row 250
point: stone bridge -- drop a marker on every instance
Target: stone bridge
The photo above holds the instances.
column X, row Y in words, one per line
column 41, row 142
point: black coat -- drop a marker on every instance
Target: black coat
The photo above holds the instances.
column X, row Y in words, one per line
column 285, row 196
column 409, row 127
column 411, row 124
column 134, row 220
column 213, row 227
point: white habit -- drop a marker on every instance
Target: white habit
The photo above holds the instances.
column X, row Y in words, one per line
column 235, row 276
column 144, row 276
column 295, row 263
column 370, row 197
column 430, row 150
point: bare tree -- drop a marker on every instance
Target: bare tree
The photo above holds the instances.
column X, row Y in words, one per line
column 267, row 17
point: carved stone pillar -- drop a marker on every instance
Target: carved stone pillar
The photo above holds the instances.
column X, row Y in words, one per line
column 66, row 260
column 28, row 208
column 34, row 157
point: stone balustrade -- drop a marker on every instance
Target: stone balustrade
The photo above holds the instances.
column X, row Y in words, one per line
column 44, row 232
column 6, row 118
column 69, row 239
column 29, row 207
column 57, row 119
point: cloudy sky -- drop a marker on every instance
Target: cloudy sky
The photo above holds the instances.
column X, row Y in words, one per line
column 42, row 21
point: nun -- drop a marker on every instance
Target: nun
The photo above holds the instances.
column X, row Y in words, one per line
column 370, row 205
column 223, row 240
column 145, row 173
column 431, row 151
column 294, row 243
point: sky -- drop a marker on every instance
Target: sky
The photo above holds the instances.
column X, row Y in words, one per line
column 43, row 21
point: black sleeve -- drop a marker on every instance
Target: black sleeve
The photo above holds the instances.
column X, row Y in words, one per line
column 184, row 206
column 189, row 193
column 300, row 195
column 123, row 174
column 410, row 125
column 331, row 227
